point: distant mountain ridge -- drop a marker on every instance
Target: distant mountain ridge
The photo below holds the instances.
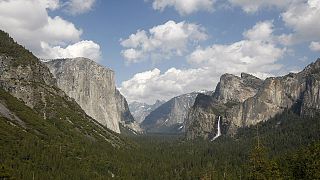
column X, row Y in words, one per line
column 170, row 116
column 141, row 110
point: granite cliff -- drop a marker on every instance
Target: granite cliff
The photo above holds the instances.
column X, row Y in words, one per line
column 202, row 118
column 247, row 101
column 93, row 88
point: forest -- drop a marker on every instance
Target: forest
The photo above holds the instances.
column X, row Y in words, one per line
column 285, row 147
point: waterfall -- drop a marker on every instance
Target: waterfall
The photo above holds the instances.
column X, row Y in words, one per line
column 219, row 130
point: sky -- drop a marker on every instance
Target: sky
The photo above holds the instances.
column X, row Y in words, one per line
column 163, row 48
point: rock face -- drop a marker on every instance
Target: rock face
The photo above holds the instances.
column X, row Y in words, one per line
column 232, row 90
column 236, row 89
column 250, row 101
column 141, row 110
column 93, row 88
column 24, row 77
column 170, row 116
column 126, row 119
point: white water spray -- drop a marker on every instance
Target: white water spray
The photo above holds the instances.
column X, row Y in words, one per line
column 219, row 130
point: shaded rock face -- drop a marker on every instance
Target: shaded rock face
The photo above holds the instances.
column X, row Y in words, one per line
column 170, row 116
column 123, row 108
column 141, row 110
column 126, row 118
column 93, row 88
column 250, row 100
column 201, row 118
column 310, row 101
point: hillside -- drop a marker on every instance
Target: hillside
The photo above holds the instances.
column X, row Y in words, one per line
column 44, row 131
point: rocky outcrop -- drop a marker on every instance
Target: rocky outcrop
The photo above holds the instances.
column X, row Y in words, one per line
column 232, row 90
column 170, row 116
column 93, row 88
column 250, row 101
column 141, row 110
column 201, row 118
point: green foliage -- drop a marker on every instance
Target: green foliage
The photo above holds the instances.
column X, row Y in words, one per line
column 55, row 148
column 9, row 47
column 260, row 167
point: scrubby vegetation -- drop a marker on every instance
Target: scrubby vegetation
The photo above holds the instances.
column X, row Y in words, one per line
column 10, row 48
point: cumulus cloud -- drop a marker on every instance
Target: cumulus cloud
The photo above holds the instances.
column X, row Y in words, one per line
column 28, row 23
column 315, row 46
column 75, row 7
column 163, row 41
column 252, row 6
column 257, row 54
column 88, row 49
column 300, row 16
column 184, row 7
column 261, row 31
column 303, row 18
column 153, row 85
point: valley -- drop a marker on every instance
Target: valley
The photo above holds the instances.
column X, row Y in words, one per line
column 65, row 119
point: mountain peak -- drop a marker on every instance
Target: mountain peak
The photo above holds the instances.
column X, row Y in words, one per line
column 313, row 66
column 248, row 76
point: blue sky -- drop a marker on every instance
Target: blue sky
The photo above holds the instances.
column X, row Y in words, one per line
column 162, row 48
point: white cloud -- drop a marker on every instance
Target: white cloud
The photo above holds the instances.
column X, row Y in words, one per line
column 243, row 56
column 52, row 4
column 151, row 85
column 300, row 16
column 315, row 46
column 261, row 31
column 87, row 49
column 184, row 7
column 28, row 22
column 256, row 54
column 303, row 18
column 252, row 6
column 163, row 41
column 75, row 7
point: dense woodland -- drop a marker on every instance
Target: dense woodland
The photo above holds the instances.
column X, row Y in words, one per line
column 285, row 147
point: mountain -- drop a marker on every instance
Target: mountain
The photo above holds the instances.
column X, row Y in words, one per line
column 170, row 116
column 247, row 100
column 141, row 110
column 43, row 131
column 93, row 88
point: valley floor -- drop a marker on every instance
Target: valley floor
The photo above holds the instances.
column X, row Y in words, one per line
column 288, row 148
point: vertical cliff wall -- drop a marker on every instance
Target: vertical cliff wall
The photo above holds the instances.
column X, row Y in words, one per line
column 93, row 88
